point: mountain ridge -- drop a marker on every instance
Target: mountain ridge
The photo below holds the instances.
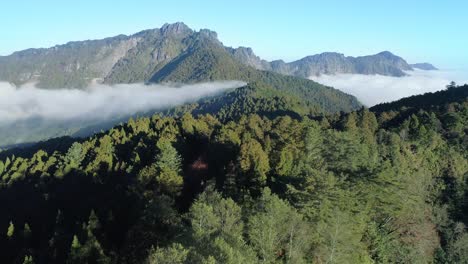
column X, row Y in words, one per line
column 140, row 56
column 424, row 66
column 382, row 63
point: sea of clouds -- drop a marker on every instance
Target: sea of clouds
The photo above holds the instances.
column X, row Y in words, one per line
column 98, row 102
column 374, row 89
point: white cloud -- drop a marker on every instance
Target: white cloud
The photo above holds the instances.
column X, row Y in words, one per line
column 374, row 89
column 98, row 102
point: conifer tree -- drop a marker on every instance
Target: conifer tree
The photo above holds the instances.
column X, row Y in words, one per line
column 11, row 230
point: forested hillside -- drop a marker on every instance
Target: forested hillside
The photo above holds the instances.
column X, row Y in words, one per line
column 268, row 185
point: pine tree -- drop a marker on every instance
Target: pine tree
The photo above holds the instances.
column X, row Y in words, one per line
column 168, row 164
column 277, row 231
column 254, row 164
column 28, row 260
column 93, row 222
column 26, row 231
column 2, row 167
column 76, row 254
column 175, row 254
column 11, row 229
column 230, row 181
column 75, row 243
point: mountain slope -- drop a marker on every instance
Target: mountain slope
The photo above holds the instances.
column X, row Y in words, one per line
column 208, row 60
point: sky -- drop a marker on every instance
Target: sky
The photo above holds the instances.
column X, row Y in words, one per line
column 419, row 31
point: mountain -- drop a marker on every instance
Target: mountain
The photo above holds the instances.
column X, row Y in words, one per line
column 152, row 55
column 424, row 66
column 384, row 63
column 118, row 59
column 171, row 54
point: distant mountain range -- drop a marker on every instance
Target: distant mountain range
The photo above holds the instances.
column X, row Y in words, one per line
column 158, row 54
column 424, row 66
column 383, row 63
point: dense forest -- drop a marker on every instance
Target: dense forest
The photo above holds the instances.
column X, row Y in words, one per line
column 254, row 184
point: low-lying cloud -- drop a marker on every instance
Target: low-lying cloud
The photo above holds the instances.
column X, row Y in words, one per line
column 99, row 101
column 374, row 89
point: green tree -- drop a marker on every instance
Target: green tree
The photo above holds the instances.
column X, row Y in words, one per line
column 163, row 176
column 169, row 164
column 75, row 255
column 254, row 163
column 91, row 251
column 213, row 214
column 2, row 167
column 216, row 227
column 175, row 254
column 28, row 260
column 451, row 85
column 11, row 229
column 277, row 231
column 26, row 231
column 75, row 155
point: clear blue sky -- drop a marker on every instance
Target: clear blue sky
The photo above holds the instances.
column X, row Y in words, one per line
column 430, row 30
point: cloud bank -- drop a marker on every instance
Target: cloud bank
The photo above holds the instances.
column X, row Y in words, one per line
column 374, row 89
column 98, row 102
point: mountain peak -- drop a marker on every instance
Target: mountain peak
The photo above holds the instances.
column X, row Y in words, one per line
column 331, row 53
column 245, row 50
column 386, row 54
column 175, row 29
column 208, row 34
